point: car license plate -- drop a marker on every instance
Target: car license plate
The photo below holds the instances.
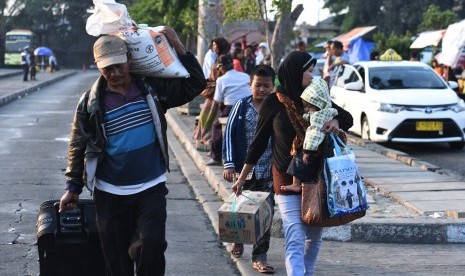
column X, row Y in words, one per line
column 429, row 126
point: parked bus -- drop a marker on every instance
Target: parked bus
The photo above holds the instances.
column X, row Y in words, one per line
column 16, row 40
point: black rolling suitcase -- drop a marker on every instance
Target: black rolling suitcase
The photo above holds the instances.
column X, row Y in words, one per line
column 68, row 243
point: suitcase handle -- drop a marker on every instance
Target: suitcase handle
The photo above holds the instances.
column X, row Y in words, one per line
column 71, row 223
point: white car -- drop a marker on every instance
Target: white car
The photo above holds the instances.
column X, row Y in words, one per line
column 400, row 101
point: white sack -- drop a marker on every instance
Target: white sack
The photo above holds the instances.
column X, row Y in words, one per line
column 109, row 17
column 453, row 43
column 152, row 55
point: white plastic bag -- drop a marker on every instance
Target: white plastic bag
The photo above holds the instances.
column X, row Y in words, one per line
column 109, row 18
column 152, row 55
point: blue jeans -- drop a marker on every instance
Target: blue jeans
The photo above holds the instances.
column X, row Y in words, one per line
column 302, row 242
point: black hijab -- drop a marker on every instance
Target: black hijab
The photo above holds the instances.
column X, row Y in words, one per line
column 290, row 74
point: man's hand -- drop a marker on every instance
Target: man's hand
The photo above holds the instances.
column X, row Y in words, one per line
column 174, row 41
column 331, row 126
column 228, row 174
column 68, row 201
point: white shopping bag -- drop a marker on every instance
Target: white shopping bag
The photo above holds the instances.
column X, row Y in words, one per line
column 109, row 18
column 345, row 190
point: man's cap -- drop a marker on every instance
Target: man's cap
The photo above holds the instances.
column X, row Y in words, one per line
column 109, row 50
column 225, row 60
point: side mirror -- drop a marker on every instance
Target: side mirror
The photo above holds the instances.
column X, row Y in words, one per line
column 354, row 86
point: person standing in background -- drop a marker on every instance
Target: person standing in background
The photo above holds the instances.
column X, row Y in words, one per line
column 230, row 87
column 52, row 62
column 340, row 58
column 209, row 111
column 25, row 62
column 329, row 60
column 33, row 66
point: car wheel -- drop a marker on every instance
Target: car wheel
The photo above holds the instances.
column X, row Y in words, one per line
column 365, row 129
column 456, row 145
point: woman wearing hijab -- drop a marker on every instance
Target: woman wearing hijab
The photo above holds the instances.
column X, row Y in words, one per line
column 281, row 118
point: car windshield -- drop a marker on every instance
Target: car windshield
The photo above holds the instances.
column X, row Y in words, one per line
column 401, row 77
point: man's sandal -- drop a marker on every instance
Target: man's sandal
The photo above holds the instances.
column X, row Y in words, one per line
column 263, row 267
column 236, row 249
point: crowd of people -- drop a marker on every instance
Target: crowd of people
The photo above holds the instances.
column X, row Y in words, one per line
column 271, row 143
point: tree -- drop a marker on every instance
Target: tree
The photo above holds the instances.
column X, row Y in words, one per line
column 434, row 19
column 399, row 43
column 397, row 16
column 236, row 10
column 178, row 14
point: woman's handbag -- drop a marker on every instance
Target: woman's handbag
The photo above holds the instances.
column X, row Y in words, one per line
column 314, row 208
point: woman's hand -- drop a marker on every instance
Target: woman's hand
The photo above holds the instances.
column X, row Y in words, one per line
column 237, row 187
column 331, row 126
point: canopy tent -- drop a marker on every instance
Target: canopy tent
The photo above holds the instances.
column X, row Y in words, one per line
column 346, row 38
column 429, row 38
column 453, row 43
column 356, row 42
column 360, row 49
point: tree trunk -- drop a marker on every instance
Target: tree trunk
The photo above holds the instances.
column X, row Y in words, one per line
column 209, row 25
column 282, row 33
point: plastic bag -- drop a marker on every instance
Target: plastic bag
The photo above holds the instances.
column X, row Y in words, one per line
column 151, row 53
column 345, row 190
column 109, row 18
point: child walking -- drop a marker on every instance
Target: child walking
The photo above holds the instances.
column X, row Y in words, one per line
column 317, row 106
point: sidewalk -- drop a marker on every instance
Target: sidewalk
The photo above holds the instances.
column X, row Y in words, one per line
column 408, row 203
column 13, row 87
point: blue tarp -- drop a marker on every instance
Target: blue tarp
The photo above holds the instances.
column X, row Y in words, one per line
column 359, row 50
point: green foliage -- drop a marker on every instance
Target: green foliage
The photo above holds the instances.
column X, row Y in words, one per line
column 237, row 10
column 399, row 43
column 434, row 19
column 179, row 14
column 397, row 16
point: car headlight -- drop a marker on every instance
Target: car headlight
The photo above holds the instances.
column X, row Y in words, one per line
column 385, row 107
column 459, row 107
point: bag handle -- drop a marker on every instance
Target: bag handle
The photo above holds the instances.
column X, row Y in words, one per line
column 338, row 143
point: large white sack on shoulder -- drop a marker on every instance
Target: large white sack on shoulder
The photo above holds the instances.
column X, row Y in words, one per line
column 109, row 18
column 152, row 55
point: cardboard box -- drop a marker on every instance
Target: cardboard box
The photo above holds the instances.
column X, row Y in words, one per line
column 246, row 218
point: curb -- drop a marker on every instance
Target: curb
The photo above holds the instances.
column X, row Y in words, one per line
column 421, row 230
column 19, row 94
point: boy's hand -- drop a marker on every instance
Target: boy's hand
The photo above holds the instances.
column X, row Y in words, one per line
column 228, row 174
